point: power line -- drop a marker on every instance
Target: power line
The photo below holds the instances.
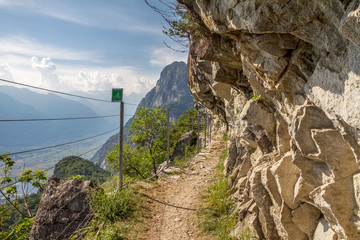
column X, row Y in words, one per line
column 59, row 119
column 62, row 144
column 55, row 119
column 47, row 169
column 133, row 104
column 58, row 92
column 93, row 149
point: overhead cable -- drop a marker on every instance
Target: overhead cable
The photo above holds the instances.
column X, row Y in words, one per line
column 58, row 92
column 54, row 91
column 93, row 149
column 47, row 169
column 62, row 144
column 55, row 119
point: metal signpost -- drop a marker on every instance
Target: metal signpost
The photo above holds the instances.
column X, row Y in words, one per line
column 167, row 137
column 117, row 96
column 198, row 135
column 205, row 127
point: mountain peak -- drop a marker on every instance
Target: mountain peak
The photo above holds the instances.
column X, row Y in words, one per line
column 170, row 88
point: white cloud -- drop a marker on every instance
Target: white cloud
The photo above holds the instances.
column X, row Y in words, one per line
column 47, row 68
column 45, row 65
column 165, row 56
column 129, row 78
column 20, row 62
column 5, row 72
column 43, row 72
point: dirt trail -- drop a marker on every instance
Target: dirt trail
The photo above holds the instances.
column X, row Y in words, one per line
column 173, row 202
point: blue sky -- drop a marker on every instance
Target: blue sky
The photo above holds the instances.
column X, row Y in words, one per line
column 83, row 45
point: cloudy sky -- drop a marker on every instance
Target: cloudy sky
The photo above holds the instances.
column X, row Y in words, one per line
column 83, row 45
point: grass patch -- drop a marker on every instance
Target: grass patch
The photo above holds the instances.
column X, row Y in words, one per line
column 113, row 206
column 117, row 213
column 225, row 137
column 216, row 218
column 190, row 151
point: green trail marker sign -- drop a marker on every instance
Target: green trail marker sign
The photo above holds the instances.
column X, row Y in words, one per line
column 117, row 95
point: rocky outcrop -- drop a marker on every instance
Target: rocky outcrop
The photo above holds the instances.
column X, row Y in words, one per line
column 188, row 139
column 283, row 78
column 63, row 209
column 171, row 90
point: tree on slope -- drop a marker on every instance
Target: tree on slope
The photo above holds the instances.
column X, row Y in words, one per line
column 148, row 131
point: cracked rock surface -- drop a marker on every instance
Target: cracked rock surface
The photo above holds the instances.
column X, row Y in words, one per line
column 293, row 152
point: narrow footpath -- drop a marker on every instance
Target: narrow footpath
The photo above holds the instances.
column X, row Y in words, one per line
column 174, row 202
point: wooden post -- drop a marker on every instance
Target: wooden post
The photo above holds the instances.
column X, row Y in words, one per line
column 167, row 137
column 121, row 139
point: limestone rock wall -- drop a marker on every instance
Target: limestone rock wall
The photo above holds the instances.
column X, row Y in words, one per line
column 283, row 77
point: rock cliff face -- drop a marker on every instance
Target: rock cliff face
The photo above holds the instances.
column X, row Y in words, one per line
column 283, row 79
column 171, row 90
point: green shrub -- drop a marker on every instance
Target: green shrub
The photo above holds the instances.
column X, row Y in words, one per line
column 76, row 177
column 113, row 206
column 112, row 233
column 256, row 98
column 18, row 232
column 225, row 137
column 217, row 218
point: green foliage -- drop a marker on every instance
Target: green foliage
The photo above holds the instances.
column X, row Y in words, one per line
column 217, row 218
column 189, row 153
column 256, row 98
column 112, row 233
column 35, row 177
column 220, row 166
column 113, row 206
column 225, row 137
column 217, row 197
column 76, row 177
column 247, row 234
column 137, row 164
column 116, row 213
column 8, row 164
column 182, row 28
column 77, row 166
column 187, row 120
column 10, row 218
column 18, row 232
column 148, row 126
column 148, row 132
column 4, row 209
column 15, row 215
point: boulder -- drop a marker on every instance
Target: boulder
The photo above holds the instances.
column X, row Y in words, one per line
column 187, row 139
column 63, row 209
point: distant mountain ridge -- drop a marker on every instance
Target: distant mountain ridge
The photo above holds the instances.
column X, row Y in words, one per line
column 20, row 103
column 171, row 91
